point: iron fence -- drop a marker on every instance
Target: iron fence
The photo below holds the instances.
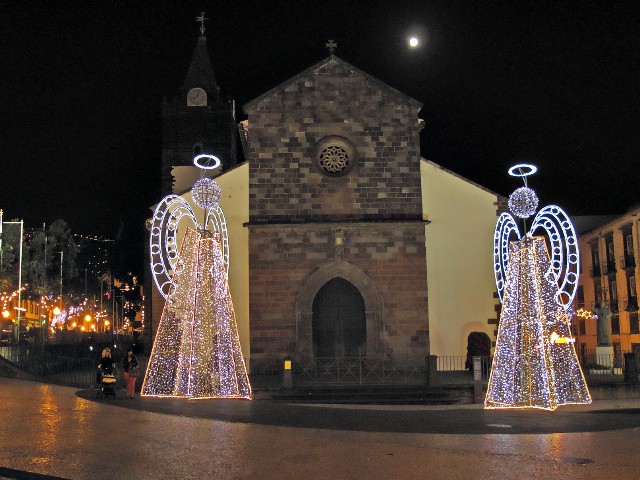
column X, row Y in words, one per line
column 359, row 370
column 64, row 365
column 74, row 368
column 598, row 368
column 458, row 370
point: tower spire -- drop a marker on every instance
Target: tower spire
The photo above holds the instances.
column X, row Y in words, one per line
column 200, row 73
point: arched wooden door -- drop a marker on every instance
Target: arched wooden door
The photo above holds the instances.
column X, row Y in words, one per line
column 339, row 321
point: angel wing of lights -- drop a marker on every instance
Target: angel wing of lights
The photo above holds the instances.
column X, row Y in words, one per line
column 505, row 227
column 164, row 249
column 565, row 257
column 163, row 246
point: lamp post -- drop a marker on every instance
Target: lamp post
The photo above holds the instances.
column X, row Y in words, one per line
column 19, row 309
column 61, row 260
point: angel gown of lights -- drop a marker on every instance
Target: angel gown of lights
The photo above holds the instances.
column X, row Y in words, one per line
column 197, row 351
column 535, row 363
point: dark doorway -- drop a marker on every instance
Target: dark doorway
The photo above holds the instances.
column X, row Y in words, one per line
column 339, row 322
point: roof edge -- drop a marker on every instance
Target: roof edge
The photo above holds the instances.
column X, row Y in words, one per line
column 320, row 64
column 471, row 182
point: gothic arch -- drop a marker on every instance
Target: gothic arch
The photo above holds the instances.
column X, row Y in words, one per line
column 373, row 304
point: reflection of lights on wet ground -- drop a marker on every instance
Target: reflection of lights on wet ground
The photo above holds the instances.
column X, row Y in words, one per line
column 50, row 420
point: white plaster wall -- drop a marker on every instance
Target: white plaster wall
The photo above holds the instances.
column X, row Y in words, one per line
column 235, row 205
column 459, row 242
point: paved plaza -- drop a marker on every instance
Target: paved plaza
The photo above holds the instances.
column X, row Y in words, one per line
column 49, row 431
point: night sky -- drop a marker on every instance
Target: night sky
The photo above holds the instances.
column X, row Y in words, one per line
column 546, row 82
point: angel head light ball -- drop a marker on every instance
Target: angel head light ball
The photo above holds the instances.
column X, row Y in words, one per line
column 206, row 193
column 523, row 202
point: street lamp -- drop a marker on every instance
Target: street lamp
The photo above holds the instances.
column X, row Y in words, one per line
column 61, row 262
column 21, row 223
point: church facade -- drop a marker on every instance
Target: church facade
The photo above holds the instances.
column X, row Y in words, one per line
column 344, row 242
column 336, row 235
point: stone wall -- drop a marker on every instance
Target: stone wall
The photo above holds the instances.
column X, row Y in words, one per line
column 385, row 262
column 285, row 128
column 307, row 227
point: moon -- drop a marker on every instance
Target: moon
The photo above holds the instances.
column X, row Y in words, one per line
column 413, row 42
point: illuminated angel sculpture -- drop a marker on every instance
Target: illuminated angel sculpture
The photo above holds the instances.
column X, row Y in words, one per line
column 535, row 363
column 196, row 353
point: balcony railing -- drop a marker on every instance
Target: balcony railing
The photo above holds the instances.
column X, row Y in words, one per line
column 627, row 261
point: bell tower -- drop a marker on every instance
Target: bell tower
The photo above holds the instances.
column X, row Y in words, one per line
column 197, row 120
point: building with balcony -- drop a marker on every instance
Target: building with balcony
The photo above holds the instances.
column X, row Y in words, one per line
column 609, row 274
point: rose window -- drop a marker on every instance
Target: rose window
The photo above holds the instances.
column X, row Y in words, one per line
column 334, row 159
column 335, row 156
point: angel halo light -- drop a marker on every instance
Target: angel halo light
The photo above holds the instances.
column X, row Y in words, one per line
column 196, row 353
column 535, row 364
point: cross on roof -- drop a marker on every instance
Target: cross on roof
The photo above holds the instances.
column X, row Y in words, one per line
column 331, row 46
column 201, row 19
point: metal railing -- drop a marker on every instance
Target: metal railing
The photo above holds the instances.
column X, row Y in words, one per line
column 80, row 370
column 359, row 371
column 65, row 366
column 458, row 370
column 598, row 368
column 450, row 370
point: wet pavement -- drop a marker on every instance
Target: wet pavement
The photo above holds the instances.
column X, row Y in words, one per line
column 49, row 431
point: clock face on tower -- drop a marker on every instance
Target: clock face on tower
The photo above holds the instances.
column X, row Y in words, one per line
column 196, row 97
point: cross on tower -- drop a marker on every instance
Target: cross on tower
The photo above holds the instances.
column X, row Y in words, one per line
column 331, row 46
column 201, row 19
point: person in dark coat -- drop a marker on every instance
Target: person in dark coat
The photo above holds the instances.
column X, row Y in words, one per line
column 130, row 367
column 105, row 367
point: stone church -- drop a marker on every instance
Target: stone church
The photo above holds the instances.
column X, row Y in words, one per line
column 344, row 242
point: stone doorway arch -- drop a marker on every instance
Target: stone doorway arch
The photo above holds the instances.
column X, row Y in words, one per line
column 373, row 304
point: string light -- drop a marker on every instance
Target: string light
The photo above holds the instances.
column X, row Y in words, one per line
column 163, row 240
column 206, row 161
column 586, row 314
column 206, row 193
column 535, row 363
column 565, row 257
column 523, row 202
column 532, row 367
column 197, row 352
